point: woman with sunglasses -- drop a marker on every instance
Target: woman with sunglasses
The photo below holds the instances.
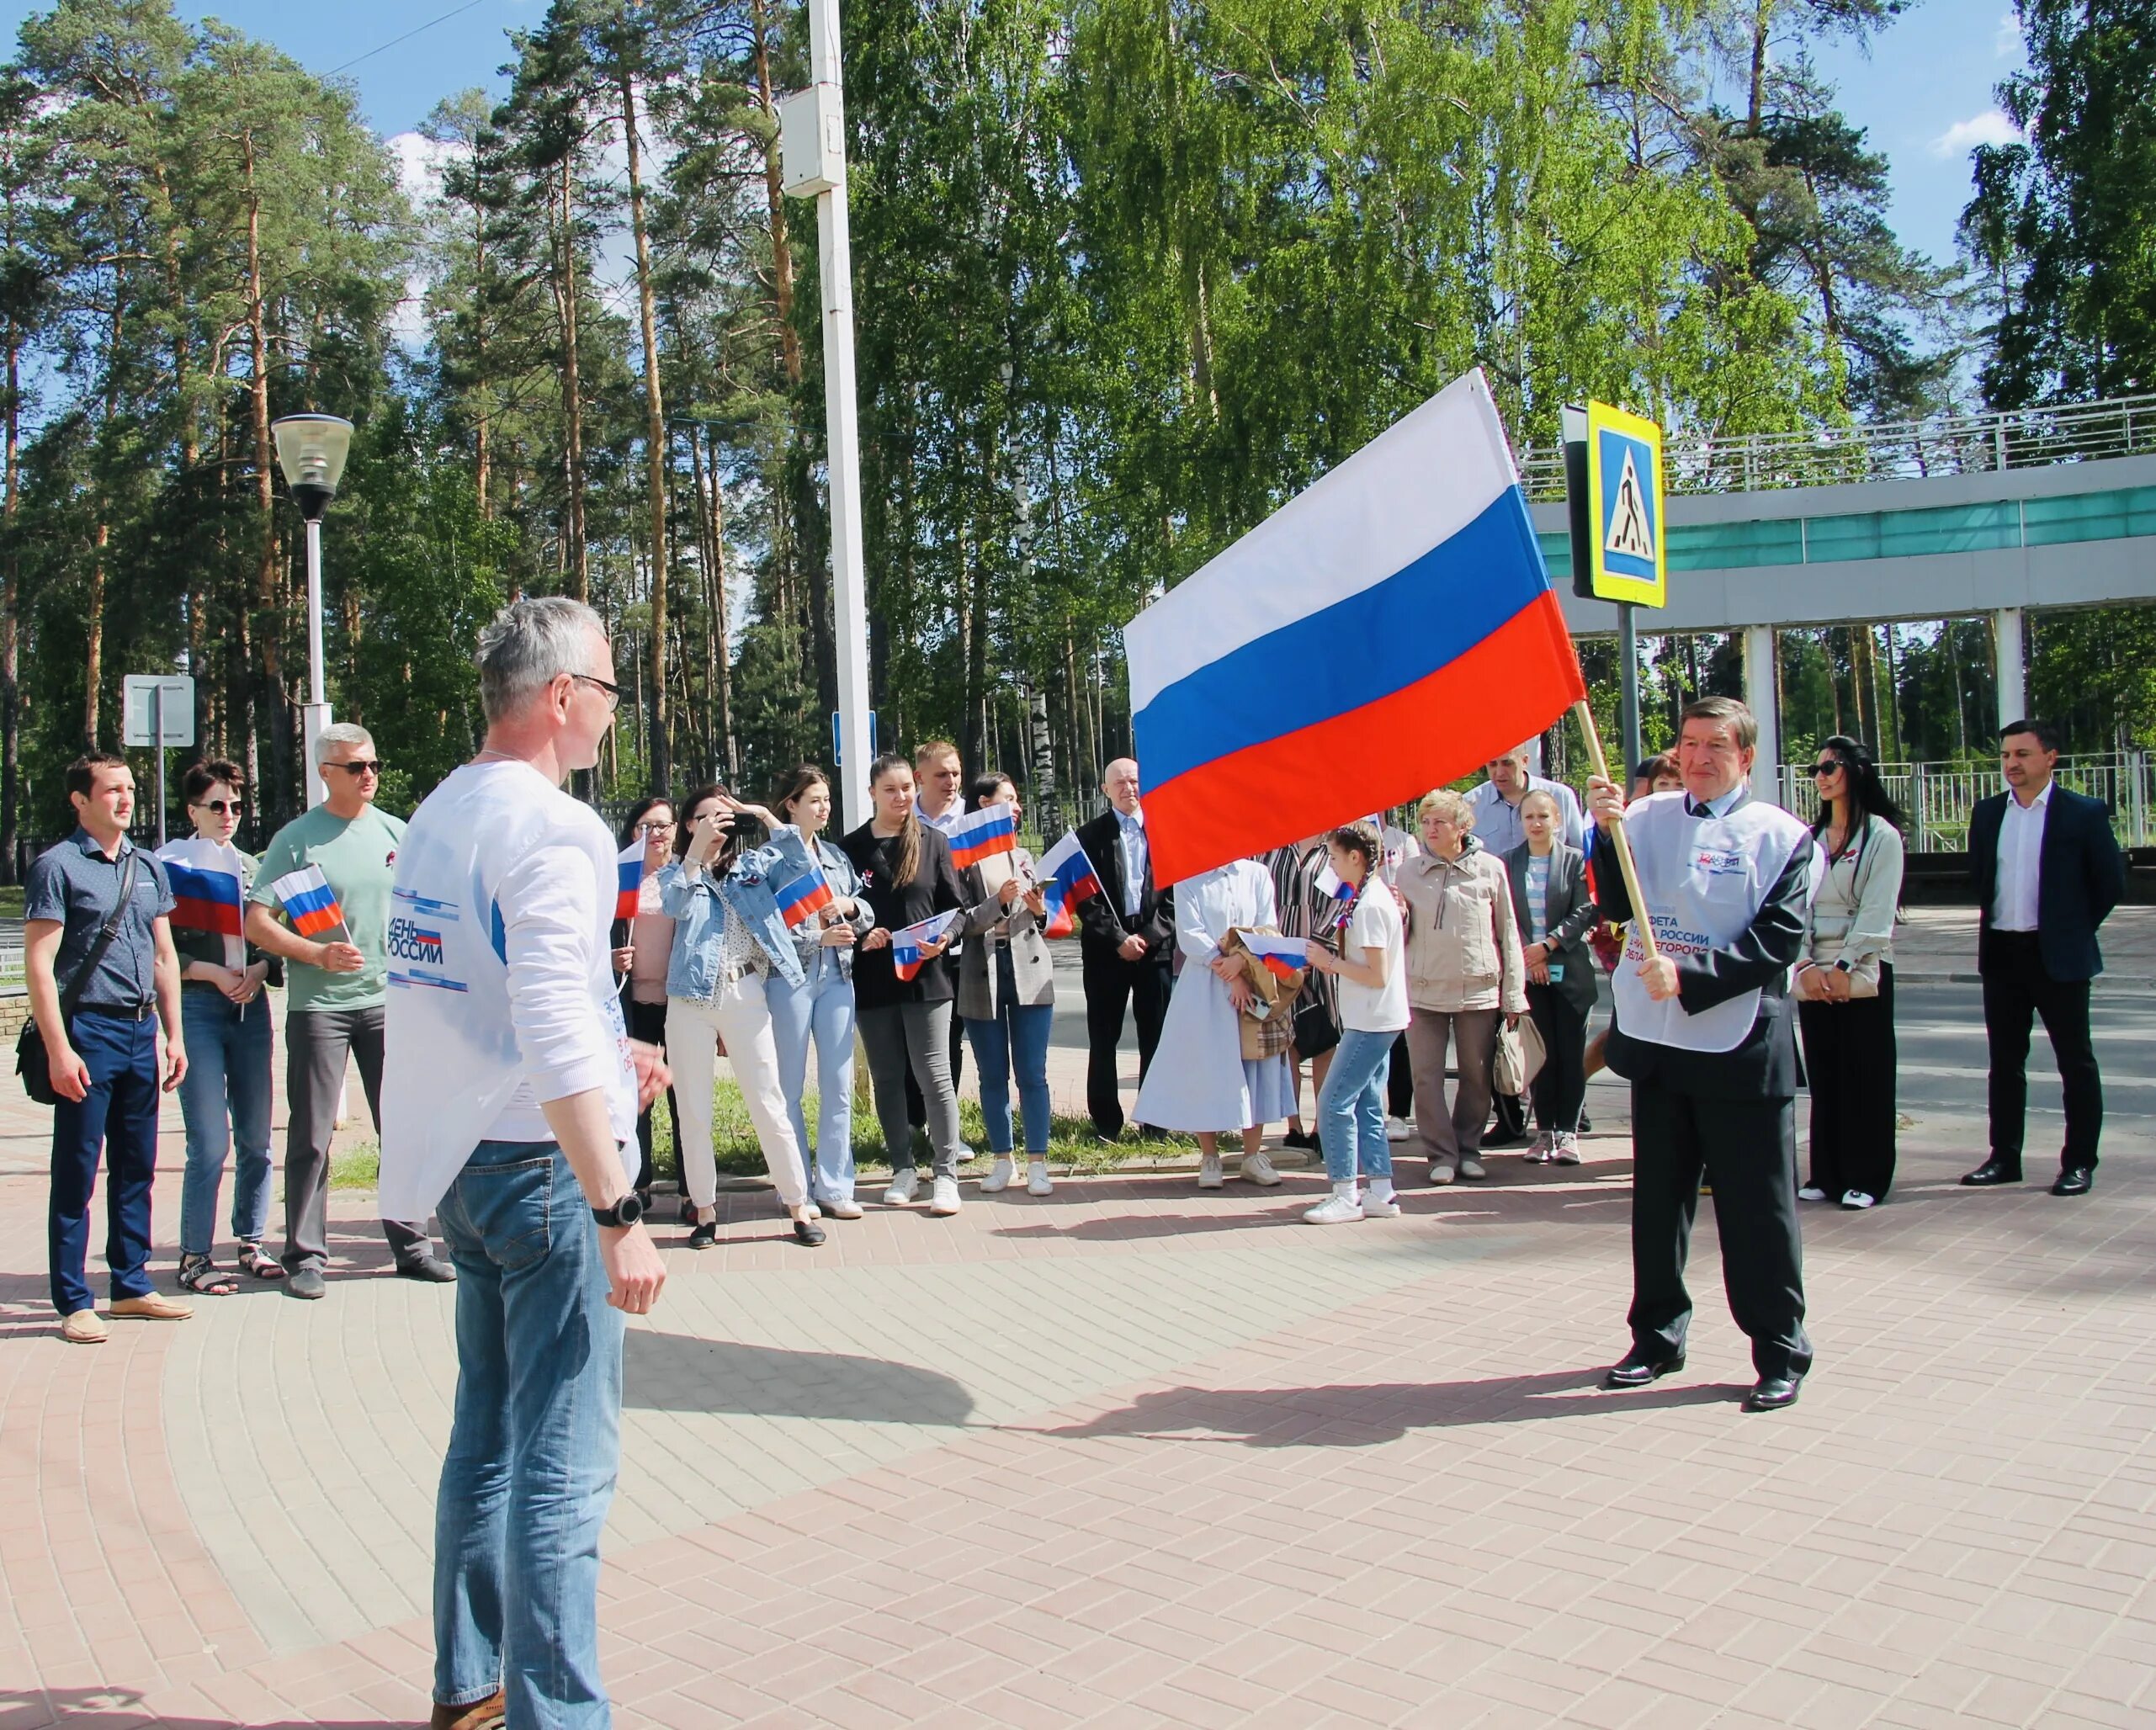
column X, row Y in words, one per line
column 1844, row 984
column 643, row 946
column 225, row 1097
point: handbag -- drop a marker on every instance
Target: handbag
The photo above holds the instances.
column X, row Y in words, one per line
column 1519, row 1058
column 32, row 1061
column 1315, row 1030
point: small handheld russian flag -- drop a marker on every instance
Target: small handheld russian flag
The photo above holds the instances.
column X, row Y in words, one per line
column 308, row 902
column 797, row 882
column 1067, row 878
column 206, row 877
column 628, row 880
column 982, row 834
column 1282, row 956
column 907, row 944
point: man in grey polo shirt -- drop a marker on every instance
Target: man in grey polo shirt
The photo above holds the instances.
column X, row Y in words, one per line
column 103, row 1055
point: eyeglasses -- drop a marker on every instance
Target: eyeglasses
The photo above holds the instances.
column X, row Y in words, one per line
column 613, row 691
column 1820, row 771
column 224, row 807
column 358, row 767
column 653, row 827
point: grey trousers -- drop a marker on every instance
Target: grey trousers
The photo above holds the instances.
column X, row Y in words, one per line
column 1450, row 1137
column 316, row 1044
column 917, row 1035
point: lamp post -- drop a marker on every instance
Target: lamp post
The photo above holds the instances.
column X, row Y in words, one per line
column 311, row 450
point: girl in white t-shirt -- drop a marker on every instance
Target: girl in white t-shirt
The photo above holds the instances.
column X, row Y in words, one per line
column 1371, row 969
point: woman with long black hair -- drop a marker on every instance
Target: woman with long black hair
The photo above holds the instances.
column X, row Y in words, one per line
column 1845, row 982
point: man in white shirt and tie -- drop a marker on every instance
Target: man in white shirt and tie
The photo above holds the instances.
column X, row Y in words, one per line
column 1126, row 940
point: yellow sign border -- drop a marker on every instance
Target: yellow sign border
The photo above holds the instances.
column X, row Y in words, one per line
column 1609, row 586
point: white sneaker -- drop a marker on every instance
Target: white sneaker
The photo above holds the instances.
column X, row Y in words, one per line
column 1567, row 1150
column 1397, row 1129
column 812, row 1210
column 1441, row 1171
column 1541, row 1149
column 943, row 1198
column 1208, row 1173
column 1472, row 1169
column 1811, row 1192
column 1037, row 1181
column 1858, row 1198
column 967, row 1151
column 905, row 1185
column 1000, row 1178
column 1336, row 1209
column 842, row 1207
column 1377, row 1207
column 1257, row 1169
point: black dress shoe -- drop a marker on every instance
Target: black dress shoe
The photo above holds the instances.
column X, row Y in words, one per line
column 1993, row 1170
column 2074, row 1180
column 1772, row 1392
column 1638, row 1370
column 1300, row 1139
column 808, row 1233
column 428, row 1270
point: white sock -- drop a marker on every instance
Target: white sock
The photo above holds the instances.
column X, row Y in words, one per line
column 1346, row 1192
column 1381, row 1189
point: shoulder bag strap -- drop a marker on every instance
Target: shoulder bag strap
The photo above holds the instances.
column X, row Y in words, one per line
column 81, row 982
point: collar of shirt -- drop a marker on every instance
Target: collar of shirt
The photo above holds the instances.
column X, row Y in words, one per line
column 2037, row 804
column 1132, row 823
column 1716, row 807
column 88, row 843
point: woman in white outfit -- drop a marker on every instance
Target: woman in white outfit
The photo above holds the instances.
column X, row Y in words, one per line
column 1199, row 1082
column 728, row 935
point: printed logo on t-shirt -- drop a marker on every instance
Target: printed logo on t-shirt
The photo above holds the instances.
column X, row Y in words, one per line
column 1715, row 863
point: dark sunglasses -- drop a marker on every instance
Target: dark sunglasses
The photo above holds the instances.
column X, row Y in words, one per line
column 224, row 807
column 358, row 767
column 1827, row 768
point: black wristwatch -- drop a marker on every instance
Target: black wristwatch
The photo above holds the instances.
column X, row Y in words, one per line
column 626, row 1211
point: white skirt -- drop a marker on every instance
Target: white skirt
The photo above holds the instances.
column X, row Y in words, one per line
column 1199, row 1082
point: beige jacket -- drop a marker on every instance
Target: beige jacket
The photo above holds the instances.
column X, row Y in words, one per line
column 1462, row 942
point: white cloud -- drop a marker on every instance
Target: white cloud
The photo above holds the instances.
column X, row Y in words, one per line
column 2006, row 39
column 1990, row 127
column 420, row 163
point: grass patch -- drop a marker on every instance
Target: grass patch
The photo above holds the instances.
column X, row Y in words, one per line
column 356, row 1168
column 11, row 901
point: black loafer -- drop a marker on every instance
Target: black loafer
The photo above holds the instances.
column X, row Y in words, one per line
column 428, row 1270
column 1772, row 1392
column 1993, row 1170
column 1637, row 1371
column 808, row 1232
column 704, row 1235
column 2074, row 1180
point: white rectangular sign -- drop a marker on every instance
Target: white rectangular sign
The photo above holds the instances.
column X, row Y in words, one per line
column 174, row 708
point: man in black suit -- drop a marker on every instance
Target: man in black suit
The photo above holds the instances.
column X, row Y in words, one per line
column 1704, row 1032
column 1125, row 940
column 2048, row 870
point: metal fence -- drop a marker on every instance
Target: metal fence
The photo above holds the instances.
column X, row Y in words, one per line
column 1884, row 450
column 1938, row 796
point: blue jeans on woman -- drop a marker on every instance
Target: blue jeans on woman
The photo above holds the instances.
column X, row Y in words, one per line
column 1018, row 1035
column 821, row 1008
column 1351, row 1107
column 535, row 1445
column 224, row 1097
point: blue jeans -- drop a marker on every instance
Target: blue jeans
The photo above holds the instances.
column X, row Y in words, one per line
column 119, row 1115
column 819, row 1008
column 535, row 1443
column 1351, row 1107
column 225, row 1096
column 1018, row 1035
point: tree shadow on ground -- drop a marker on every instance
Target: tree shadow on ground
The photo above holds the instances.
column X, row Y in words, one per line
column 1371, row 1414
column 677, row 1373
column 122, row 1708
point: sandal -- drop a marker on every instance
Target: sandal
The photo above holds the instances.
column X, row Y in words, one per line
column 201, row 1275
column 256, row 1265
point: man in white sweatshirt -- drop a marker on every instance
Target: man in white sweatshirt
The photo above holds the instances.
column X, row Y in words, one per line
column 510, row 1092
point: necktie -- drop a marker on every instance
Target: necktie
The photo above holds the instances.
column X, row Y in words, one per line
column 1693, row 808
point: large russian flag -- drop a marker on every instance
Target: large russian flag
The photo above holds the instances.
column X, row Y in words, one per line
column 208, row 879
column 1380, row 635
column 979, row 833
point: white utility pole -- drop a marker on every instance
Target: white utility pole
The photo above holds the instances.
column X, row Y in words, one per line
column 812, row 152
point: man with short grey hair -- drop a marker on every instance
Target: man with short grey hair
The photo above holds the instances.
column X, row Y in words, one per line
column 334, row 994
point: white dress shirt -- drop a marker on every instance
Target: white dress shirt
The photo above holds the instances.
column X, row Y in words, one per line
column 1134, row 856
column 2021, row 854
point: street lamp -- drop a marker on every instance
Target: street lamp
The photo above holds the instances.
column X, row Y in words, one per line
column 311, row 450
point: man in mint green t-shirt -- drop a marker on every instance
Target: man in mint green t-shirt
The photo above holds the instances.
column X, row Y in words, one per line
column 337, row 986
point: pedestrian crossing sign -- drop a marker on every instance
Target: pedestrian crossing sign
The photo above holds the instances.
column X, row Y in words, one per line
column 1624, row 506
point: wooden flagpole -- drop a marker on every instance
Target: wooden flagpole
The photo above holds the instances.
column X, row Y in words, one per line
column 1627, row 869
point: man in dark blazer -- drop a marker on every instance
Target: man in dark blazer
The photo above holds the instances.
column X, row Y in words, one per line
column 1126, row 940
column 1704, row 1033
column 2046, row 870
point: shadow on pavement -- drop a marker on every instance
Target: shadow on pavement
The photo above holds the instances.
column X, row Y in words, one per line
column 1368, row 1415
column 676, row 1373
column 122, row 1708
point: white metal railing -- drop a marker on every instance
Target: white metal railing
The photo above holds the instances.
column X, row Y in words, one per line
column 1884, row 450
column 1937, row 797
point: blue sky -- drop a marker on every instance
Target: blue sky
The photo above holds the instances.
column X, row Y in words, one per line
column 1923, row 93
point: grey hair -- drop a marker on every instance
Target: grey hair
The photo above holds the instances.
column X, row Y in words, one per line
column 340, row 733
column 530, row 644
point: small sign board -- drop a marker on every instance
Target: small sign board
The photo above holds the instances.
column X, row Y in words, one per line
column 173, row 707
column 838, row 750
column 1622, row 542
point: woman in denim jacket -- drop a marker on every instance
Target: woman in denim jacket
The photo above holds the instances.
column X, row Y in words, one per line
column 819, row 1006
column 729, row 935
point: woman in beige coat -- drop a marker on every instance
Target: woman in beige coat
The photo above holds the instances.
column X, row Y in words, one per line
column 1464, row 970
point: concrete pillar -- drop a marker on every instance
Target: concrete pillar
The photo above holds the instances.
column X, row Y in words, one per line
column 2012, row 683
column 1763, row 694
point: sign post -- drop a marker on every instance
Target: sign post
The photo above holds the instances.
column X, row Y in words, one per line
column 158, row 710
column 1613, row 488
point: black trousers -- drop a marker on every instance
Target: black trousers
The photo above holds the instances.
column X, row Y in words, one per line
column 2016, row 989
column 1747, row 1149
column 647, row 1021
column 1399, row 1084
column 1113, row 986
column 1848, row 1056
column 1561, row 1086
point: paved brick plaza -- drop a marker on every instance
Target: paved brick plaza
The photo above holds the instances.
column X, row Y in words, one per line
column 1137, row 1455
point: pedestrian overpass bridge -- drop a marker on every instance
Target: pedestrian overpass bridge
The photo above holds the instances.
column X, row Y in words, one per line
column 1992, row 514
